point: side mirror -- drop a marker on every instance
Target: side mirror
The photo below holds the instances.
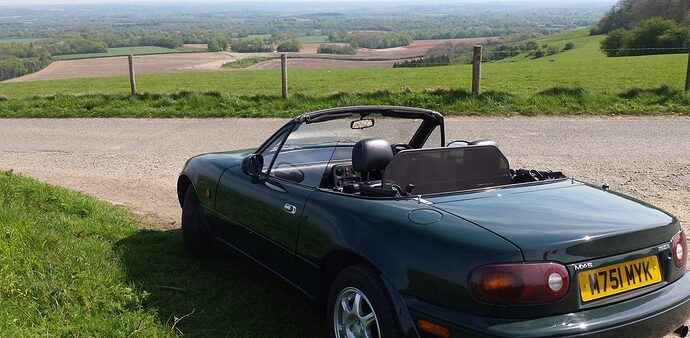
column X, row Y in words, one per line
column 252, row 165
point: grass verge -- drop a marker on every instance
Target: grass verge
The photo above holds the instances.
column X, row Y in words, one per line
column 72, row 266
column 551, row 101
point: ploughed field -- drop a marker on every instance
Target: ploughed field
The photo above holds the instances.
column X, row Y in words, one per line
column 186, row 62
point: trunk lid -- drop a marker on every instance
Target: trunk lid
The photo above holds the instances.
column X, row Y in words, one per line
column 565, row 221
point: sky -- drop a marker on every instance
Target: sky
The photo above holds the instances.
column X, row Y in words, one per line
column 60, row 2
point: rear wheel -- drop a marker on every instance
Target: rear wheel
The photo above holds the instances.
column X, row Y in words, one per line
column 359, row 306
column 195, row 234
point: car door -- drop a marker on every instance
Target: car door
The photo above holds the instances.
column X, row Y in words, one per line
column 263, row 216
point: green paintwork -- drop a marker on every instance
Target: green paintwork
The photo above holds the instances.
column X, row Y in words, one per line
column 426, row 252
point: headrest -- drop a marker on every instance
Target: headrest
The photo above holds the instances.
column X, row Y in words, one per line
column 371, row 154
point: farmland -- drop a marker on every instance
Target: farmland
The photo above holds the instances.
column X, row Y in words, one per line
column 165, row 60
column 139, row 50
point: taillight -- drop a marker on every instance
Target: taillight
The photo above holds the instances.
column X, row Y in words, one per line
column 520, row 283
column 679, row 248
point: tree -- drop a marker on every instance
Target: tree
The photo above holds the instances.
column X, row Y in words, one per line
column 653, row 36
column 291, row 45
column 569, row 46
column 629, row 13
column 615, row 41
column 213, row 46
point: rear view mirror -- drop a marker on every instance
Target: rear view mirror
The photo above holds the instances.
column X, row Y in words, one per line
column 253, row 164
column 458, row 144
column 362, row 124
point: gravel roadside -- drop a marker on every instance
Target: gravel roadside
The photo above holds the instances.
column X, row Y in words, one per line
column 135, row 162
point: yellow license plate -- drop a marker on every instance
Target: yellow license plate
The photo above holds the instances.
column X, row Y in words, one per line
column 618, row 278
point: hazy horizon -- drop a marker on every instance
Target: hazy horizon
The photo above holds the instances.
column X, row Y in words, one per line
column 21, row 3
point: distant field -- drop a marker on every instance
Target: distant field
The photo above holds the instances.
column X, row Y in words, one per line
column 313, row 39
column 121, row 51
column 584, row 66
column 581, row 80
column 18, row 40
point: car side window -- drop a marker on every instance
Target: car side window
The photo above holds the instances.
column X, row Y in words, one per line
column 302, row 159
column 271, row 151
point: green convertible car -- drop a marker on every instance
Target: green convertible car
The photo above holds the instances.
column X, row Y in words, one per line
column 397, row 233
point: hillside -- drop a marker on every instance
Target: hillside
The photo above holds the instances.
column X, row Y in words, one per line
column 609, row 84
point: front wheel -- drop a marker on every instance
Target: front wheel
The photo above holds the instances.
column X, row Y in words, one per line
column 195, row 234
column 359, row 306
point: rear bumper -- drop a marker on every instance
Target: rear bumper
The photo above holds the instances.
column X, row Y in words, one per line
column 651, row 315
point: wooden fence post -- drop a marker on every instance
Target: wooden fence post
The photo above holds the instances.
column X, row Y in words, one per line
column 132, row 81
column 687, row 76
column 283, row 70
column 477, row 70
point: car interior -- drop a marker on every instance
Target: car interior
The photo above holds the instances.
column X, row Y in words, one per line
column 375, row 168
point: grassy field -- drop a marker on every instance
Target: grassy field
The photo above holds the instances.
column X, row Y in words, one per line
column 313, row 39
column 72, row 266
column 578, row 81
column 121, row 51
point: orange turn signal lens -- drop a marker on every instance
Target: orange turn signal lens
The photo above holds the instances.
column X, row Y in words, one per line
column 432, row 328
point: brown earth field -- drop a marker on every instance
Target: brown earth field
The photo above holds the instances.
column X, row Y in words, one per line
column 189, row 62
column 144, row 64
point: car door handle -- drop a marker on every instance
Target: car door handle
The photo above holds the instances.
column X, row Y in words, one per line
column 290, row 209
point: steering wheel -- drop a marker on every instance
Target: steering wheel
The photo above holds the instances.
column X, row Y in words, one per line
column 398, row 147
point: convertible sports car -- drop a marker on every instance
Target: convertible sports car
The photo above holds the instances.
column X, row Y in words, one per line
column 369, row 212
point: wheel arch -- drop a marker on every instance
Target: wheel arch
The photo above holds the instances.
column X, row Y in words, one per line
column 333, row 263
column 337, row 260
column 183, row 183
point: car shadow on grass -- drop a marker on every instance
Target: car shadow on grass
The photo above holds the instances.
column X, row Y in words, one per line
column 223, row 296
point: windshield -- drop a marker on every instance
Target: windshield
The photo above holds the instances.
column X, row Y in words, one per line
column 340, row 132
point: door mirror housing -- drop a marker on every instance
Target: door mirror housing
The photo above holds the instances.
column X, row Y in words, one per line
column 252, row 165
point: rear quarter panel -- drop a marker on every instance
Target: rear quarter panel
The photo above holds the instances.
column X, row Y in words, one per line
column 429, row 262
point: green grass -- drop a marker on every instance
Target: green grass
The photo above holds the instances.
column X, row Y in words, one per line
column 313, row 39
column 19, row 40
column 121, row 51
column 246, row 62
column 72, row 266
column 518, row 81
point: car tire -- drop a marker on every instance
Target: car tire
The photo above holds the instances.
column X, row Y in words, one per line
column 365, row 283
column 195, row 234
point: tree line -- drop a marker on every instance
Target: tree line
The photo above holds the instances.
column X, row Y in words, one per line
column 643, row 27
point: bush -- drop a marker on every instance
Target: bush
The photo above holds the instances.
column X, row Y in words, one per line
column 427, row 61
column 251, row 46
column 552, row 50
column 569, row 46
column 290, row 46
column 336, row 49
column 654, row 36
column 538, row 54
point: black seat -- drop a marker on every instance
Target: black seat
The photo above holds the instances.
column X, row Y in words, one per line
column 371, row 156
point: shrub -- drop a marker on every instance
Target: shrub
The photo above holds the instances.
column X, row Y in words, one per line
column 290, row 46
column 569, row 46
column 336, row 49
column 653, row 36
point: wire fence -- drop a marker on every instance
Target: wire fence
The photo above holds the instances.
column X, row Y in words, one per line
column 165, row 63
